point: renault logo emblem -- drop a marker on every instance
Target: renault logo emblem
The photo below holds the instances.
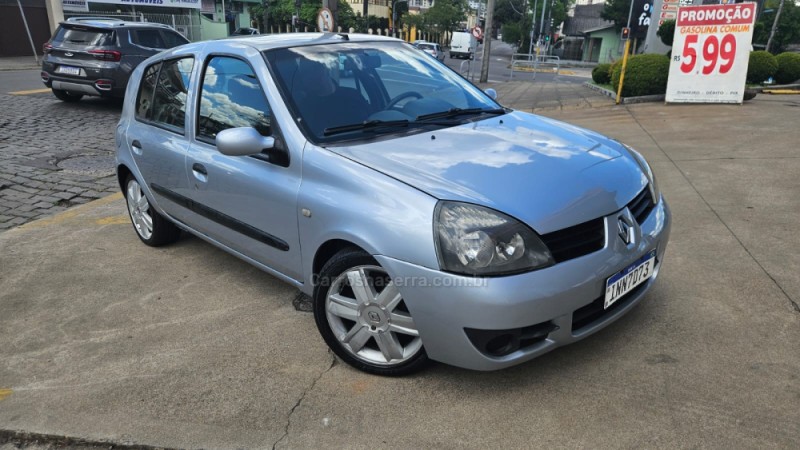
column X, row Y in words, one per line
column 374, row 317
column 625, row 227
column 68, row 54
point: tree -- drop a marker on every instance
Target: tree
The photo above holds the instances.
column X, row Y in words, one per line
column 788, row 29
column 518, row 16
column 617, row 11
column 667, row 32
column 281, row 12
column 446, row 15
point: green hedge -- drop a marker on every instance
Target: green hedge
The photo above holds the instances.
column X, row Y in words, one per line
column 644, row 75
column 762, row 66
column 600, row 74
column 788, row 68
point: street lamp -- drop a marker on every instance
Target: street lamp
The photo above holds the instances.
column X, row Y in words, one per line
column 394, row 14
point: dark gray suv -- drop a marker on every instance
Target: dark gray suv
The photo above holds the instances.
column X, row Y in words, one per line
column 95, row 56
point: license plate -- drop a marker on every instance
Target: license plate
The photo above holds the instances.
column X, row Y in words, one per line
column 69, row 70
column 624, row 281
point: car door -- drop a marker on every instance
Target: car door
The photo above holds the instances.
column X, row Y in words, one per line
column 157, row 135
column 247, row 203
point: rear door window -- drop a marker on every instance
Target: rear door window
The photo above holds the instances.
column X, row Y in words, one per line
column 173, row 39
column 147, row 38
column 84, row 36
column 163, row 92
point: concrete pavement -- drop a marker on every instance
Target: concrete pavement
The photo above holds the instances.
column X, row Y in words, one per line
column 106, row 339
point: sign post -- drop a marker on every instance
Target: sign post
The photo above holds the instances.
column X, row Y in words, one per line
column 711, row 51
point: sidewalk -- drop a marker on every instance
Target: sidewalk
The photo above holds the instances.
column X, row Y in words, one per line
column 19, row 63
column 105, row 339
column 535, row 96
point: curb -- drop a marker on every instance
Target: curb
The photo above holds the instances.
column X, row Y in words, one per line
column 626, row 100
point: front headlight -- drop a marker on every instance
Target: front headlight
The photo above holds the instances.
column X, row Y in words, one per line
column 474, row 240
column 651, row 177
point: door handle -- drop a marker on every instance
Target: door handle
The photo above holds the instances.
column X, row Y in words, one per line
column 136, row 146
column 199, row 168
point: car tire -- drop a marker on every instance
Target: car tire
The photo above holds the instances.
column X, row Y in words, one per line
column 369, row 327
column 65, row 96
column 151, row 227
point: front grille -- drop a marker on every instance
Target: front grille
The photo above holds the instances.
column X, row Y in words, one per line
column 576, row 241
column 641, row 205
column 594, row 311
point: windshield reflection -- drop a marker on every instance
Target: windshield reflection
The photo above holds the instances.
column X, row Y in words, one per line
column 334, row 85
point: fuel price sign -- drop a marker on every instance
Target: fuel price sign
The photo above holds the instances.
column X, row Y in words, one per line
column 710, row 53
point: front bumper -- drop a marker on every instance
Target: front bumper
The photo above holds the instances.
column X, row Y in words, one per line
column 557, row 305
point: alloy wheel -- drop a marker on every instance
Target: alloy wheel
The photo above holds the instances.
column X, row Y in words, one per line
column 367, row 315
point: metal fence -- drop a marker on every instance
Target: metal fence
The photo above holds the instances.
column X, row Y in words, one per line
column 186, row 24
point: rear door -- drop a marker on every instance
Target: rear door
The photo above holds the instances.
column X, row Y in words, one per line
column 157, row 137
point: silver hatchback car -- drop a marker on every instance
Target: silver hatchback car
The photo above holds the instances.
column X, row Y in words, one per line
column 425, row 220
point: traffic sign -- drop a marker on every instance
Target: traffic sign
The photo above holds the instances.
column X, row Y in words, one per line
column 477, row 32
column 325, row 20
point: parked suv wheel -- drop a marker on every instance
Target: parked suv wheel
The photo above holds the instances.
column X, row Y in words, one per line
column 362, row 316
column 65, row 96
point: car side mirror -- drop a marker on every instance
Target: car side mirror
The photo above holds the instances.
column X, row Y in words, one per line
column 243, row 141
column 491, row 93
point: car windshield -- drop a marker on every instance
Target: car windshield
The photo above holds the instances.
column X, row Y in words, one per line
column 334, row 88
column 426, row 46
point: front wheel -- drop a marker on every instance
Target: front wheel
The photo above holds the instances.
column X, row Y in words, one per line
column 362, row 317
column 65, row 96
column 151, row 227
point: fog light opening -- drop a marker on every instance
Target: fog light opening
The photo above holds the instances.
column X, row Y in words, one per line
column 45, row 76
column 502, row 345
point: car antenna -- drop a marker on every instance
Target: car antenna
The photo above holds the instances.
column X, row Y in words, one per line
column 343, row 36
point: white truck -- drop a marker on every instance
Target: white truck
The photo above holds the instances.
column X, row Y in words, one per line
column 463, row 45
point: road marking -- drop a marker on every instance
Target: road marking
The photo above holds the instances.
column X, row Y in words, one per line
column 70, row 213
column 121, row 219
column 4, row 393
column 31, row 91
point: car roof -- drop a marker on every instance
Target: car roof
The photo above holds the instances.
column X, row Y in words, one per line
column 269, row 41
column 109, row 23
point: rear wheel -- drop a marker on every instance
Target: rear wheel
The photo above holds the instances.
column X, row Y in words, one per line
column 65, row 96
column 362, row 316
column 151, row 227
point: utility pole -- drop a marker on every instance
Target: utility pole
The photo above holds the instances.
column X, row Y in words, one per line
column 487, row 42
column 774, row 25
column 365, row 14
column 296, row 15
column 625, row 57
column 533, row 26
column 266, row 16
column 25, row 21
column 541, row 25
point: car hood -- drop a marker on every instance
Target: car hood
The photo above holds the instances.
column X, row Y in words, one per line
column 546, row 173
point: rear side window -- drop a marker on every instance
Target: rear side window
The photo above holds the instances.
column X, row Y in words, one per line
column 84, row 36
column 173, row 39
column 231, row 97
column 163, row 92
column 148, row 38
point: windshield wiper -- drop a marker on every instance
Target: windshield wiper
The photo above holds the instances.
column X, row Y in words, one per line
column 366, row 125
column 455, row 112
